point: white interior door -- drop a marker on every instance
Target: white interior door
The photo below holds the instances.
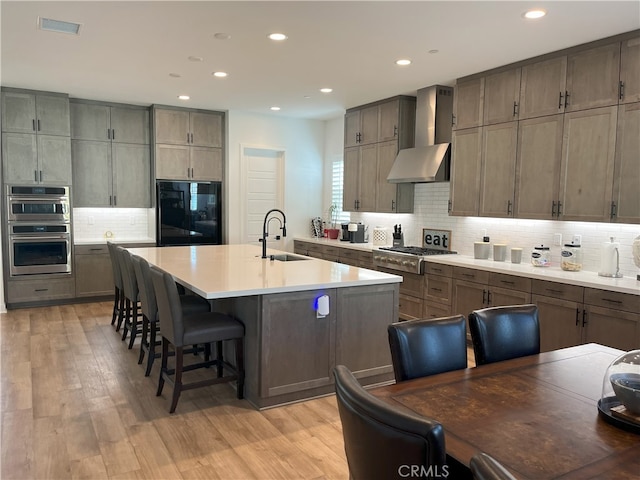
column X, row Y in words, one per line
column 263, row 171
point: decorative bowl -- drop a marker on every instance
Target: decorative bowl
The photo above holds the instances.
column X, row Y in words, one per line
column 627, row 388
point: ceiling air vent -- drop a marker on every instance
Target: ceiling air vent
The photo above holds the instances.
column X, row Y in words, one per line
column 59, row 26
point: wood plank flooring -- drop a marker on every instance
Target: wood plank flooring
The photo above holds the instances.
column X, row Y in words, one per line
column 75, row 404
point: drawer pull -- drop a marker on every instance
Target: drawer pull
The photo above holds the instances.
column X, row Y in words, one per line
column 553, row 290
column 611, row 300
column 96, row 249
column 41, row 289
column 436, row 289
column 469, row 275
column 439, row 270
column 508, row 282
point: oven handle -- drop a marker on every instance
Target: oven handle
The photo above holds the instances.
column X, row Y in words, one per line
column 31, row 238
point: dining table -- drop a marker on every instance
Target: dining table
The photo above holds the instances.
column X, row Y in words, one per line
column 537, row 415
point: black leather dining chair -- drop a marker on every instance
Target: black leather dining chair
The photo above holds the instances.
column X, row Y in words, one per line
column 381, row 441
column 149, row 339
column 203, row 328
column 485, row 467
column 502, row 333
column 427, row 346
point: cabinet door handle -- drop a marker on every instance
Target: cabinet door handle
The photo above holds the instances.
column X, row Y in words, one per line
column 393, row 205
column 449, row 206
column 187, row 137
column 110, row 200
column 33, row 124
column 621, row 90
column 577, row 316
column 614, row 210
column 566, row 99
column 115, row 200
column 515, row 108
column 38, row 122
column 191, row 172
column 109, row 133
column 553, row 208
column 113, row 134
column 509, row 204
column 35, row 175
column 40, row 175
column 488, row 297
column 559, row 209
column 453, row 120
column 191, row 137
column 584, row 318
column 560, row 101
column 484, row 295
column 395, row 130
column 612, row 300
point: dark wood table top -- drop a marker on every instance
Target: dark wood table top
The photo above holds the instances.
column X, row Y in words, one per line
column 536, row 415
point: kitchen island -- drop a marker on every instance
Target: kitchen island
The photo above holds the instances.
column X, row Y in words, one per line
column 290, row 349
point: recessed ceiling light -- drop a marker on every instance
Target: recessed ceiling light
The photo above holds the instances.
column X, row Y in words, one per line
column 403, row 62
column 275, row 109
column 534, row 14
column 175, row 75
column 221, row 36
column 220, row 74
column 326, row 90
column 432, row 51
column 307, row 96
column 184, row 97
column 58, row 26
column 194, row 59
column 278, row 37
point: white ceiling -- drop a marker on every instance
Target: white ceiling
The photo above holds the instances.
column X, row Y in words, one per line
column 127, row 49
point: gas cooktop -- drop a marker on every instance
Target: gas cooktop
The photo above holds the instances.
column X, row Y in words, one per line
column 420, row 251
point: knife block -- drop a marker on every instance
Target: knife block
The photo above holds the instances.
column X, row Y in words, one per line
column 398, row 239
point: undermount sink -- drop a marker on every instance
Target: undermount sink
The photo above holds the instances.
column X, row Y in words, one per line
column 287, row 258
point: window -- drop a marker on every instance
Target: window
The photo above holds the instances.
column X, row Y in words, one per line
column 337, row 174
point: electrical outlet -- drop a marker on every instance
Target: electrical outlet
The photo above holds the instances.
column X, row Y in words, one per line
column 557, row 239
column 91, row 220
column 577, row 240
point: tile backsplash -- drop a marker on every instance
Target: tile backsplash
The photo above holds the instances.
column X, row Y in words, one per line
column 123, row 223
column 431, row 202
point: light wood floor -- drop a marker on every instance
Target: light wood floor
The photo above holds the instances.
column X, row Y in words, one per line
column 75, row 404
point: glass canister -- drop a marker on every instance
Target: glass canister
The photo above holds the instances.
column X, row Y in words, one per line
column 541, row 256
column 571, row 258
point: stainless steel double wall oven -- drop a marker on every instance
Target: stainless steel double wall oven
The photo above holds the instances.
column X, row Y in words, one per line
column 39, row 228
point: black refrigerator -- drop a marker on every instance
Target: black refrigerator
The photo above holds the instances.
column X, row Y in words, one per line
column 188, row 213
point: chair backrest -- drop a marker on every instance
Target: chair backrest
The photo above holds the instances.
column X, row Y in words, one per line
column 485, row 467
column 148, row 302
column 502, row 333
column 129, row 282
column 427, row 346
column 115, row 265
column 169, row 307
column 381, row 441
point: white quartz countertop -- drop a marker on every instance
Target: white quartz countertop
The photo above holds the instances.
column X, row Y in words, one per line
column 553, row 274
column 525, row 269
column 223, row 271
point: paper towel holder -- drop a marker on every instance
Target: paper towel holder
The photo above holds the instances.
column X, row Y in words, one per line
column 609, row 249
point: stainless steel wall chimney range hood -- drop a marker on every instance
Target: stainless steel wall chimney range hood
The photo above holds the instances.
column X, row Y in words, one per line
column 430, row 160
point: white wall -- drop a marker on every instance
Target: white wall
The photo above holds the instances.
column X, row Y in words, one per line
column 303, row 143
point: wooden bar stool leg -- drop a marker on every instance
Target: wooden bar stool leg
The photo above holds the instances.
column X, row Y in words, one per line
column 121, row 312
column 116, row 301
column 163, row 367
column 134, row 324
column 177, row 386
column 127, row 316
column 144, row 341
column 151, row 355
column 219, row 359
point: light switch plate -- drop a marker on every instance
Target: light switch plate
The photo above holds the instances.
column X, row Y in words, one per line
column 557, row 239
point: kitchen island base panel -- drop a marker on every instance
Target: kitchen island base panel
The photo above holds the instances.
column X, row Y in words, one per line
column 290, row 353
